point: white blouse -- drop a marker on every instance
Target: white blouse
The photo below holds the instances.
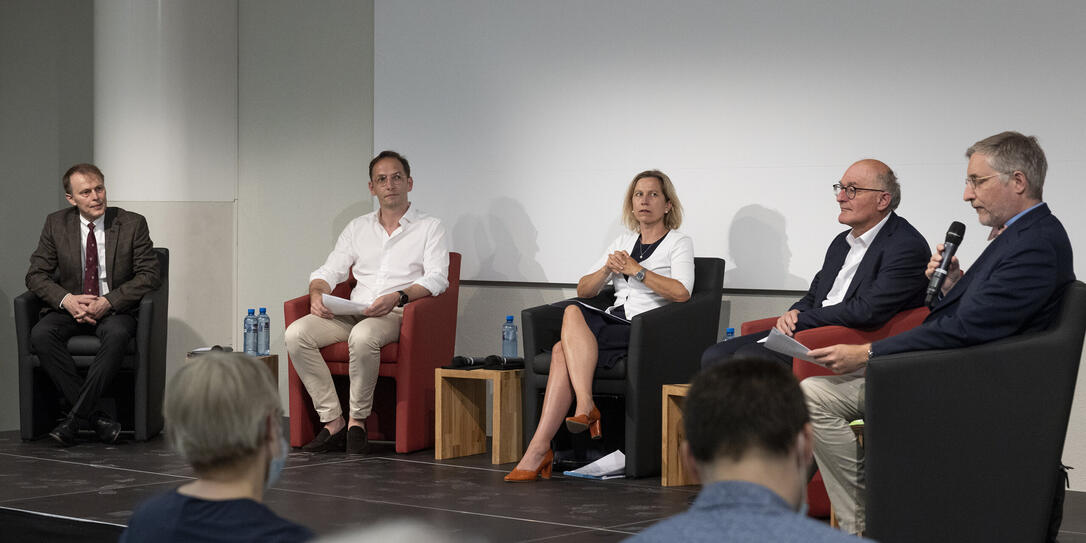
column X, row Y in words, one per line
column 673, row 258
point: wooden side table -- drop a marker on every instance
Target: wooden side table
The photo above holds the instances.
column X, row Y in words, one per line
column 673, row 470
column 460, row 421
column 272, row 362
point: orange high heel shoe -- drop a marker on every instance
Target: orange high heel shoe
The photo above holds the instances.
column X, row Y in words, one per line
column 526, row 476
column 590, row 422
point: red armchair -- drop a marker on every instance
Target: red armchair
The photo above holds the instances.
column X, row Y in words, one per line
column 818, row 502
column 403, row 406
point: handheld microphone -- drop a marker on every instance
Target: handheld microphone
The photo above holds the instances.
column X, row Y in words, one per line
column 954, row 236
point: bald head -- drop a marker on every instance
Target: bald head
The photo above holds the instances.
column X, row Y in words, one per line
column 874, row 167
column 869, row 192
column 880, row 176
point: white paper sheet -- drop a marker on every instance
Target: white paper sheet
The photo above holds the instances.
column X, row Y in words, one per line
column 781, row 343
column 612, row 465
column 343, row 306
column 604, row 314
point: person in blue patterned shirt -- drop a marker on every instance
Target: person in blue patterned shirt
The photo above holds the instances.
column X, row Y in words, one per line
column 749, row 437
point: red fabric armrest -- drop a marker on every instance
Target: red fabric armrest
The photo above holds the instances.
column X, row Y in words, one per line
column 760, row 325
column 295, row 309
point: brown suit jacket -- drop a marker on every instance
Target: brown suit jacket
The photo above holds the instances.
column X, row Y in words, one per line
column 56, row 266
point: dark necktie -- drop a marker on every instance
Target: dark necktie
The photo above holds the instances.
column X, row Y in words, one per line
column 90, row 276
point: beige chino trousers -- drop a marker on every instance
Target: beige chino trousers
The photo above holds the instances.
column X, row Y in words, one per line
column 833, row 402
column 364, row 336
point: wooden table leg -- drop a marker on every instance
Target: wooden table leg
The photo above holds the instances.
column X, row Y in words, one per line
column 508, row 429
column 673, row 471
column 460, row 424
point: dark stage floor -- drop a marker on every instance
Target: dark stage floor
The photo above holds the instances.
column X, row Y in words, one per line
column 94, row 488
column 331, row 492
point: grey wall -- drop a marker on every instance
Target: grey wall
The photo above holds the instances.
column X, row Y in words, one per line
column 542, row 111
column 46, row 108
column 306, row 138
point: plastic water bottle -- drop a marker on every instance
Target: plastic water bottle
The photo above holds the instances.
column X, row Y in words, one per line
column 248, row 328
column 263, row 332
column 729, row 334
column 509, row 338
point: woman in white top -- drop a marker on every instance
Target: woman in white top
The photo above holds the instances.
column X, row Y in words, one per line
column 650, row 266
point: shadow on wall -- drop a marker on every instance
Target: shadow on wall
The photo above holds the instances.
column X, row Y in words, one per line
column 503, row 248
column 758, row 246
column 340, row 221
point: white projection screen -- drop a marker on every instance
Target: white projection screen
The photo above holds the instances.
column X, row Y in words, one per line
column 524, row 121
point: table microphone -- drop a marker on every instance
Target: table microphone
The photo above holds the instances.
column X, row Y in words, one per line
column 954, row 236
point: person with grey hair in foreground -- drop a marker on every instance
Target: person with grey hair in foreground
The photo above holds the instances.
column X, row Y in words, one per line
column 749, row 437
column 223, row 417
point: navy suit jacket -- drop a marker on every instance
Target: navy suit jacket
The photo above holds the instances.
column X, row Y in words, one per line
column 1014, row 287
column 890, row 279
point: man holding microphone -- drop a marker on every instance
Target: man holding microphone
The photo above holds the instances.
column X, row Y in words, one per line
column 1013, row 288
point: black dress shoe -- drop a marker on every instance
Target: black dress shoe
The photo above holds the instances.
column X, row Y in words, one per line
column 326, row 442
column 106, row 428
column 64, row 433
column 357, row 442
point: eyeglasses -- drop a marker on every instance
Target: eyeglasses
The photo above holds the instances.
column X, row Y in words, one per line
column 850, row 190
column 396, row 179
column 973, row 181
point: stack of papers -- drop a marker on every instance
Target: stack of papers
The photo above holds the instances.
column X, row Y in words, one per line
column 343, row 306
column 612, row 466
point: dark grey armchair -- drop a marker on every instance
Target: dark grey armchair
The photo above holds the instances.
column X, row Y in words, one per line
column 136, row 392
column 665, row 347
column 964, row 444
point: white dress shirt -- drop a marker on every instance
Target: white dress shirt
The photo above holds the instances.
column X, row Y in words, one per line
column 673, row 258
column 858, row 248
column 415, row 253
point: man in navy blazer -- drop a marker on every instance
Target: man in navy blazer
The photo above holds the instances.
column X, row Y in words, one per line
column 1014, row 287
column 871, row 271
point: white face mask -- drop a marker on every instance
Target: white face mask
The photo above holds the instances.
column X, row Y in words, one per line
column 275, row 465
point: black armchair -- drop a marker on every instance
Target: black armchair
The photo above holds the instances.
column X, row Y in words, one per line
column 964, row 444
column 665, row 347
column 137, row 390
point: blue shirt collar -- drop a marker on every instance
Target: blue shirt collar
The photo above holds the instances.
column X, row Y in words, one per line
column 1016, row 217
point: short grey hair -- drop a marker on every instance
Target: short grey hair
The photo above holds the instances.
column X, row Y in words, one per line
column 216, row 409
column 888, row 181
column 1008, row 152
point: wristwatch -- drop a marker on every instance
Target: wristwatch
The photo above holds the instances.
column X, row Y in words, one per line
column 640, row 275
column 870, row 354
column 403, row 298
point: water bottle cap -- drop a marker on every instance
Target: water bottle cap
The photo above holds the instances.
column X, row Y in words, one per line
column 731, row 330
column 508, row 318
column 263, row 310
column 252, row 311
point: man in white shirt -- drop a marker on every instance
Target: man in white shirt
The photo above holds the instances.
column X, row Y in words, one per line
column 871, row 272
column 397, row 254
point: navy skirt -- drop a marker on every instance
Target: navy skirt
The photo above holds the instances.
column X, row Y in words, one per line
column 612, row 336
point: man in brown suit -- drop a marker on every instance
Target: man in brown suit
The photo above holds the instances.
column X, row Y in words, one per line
column 92, row 266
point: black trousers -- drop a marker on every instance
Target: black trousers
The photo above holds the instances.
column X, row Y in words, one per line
column 50, row 340
column 743, row 346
